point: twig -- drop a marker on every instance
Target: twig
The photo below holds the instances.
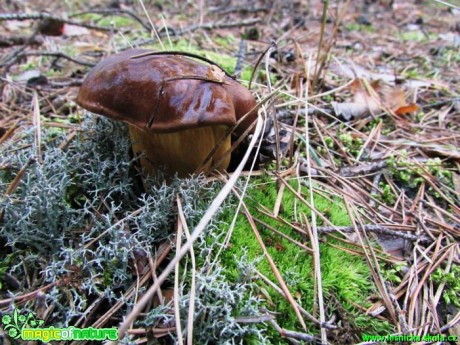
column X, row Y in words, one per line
column 42, row 16
column 57, row 55
column 292, row 334
column 221, row 25
column 362, row 169
column 8, row 41
column 380, row 229
column 315, row 239
column 272, row 109
column 38, row 127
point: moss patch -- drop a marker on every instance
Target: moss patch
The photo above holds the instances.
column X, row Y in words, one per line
column 346, row 278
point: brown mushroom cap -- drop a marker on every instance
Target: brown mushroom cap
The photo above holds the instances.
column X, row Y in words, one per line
column 165, row 93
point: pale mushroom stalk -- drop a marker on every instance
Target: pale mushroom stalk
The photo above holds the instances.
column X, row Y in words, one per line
column 182, row 151
column 178, row 109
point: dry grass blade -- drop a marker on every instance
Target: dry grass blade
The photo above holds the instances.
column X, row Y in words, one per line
column 272, row 109
column 14, row 184
column 152, row 25
column 436, row 260
column 275, row 270
column 191, row 310
column 180, row 339
column 373, row 263
column 38, row 128
column 279, row 233
column 243, row 192
column 315, row 238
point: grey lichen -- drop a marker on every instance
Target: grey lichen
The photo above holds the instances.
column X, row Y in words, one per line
column 80, row 219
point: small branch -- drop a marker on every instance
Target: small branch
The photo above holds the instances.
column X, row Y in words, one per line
column 8, row 41
column 254, row 319
column 42, row 16
column 58, row 55
column 374, row 228
column 363, row 169
column 292, row 334
column 221, row 25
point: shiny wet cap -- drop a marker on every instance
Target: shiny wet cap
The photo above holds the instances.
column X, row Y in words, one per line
column 165, row 92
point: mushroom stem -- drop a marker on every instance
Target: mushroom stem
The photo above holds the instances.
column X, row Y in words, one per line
column 183, row 151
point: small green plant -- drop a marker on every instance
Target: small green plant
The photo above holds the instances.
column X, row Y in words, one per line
column 415, row 35
column 351, row 144
column 410, row 174
column 359, row 27
column 451, row 293
column 385, row 194
column 393, row 273
column 329, row 142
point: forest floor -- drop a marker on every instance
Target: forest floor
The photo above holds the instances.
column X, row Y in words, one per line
column 361, row 101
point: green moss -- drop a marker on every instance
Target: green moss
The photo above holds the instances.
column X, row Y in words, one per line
column 225, row 41
column 385, row 194
column 451, row 293
column 103, row 20
column 359, row 27
column 416, row 36
column 348, row 284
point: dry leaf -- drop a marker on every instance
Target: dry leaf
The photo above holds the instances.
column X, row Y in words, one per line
column 364, row 101
column 373, row 98
column 410, row 108
column 394, row 99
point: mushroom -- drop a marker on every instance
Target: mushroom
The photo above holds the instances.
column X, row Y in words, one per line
column 178, row 109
